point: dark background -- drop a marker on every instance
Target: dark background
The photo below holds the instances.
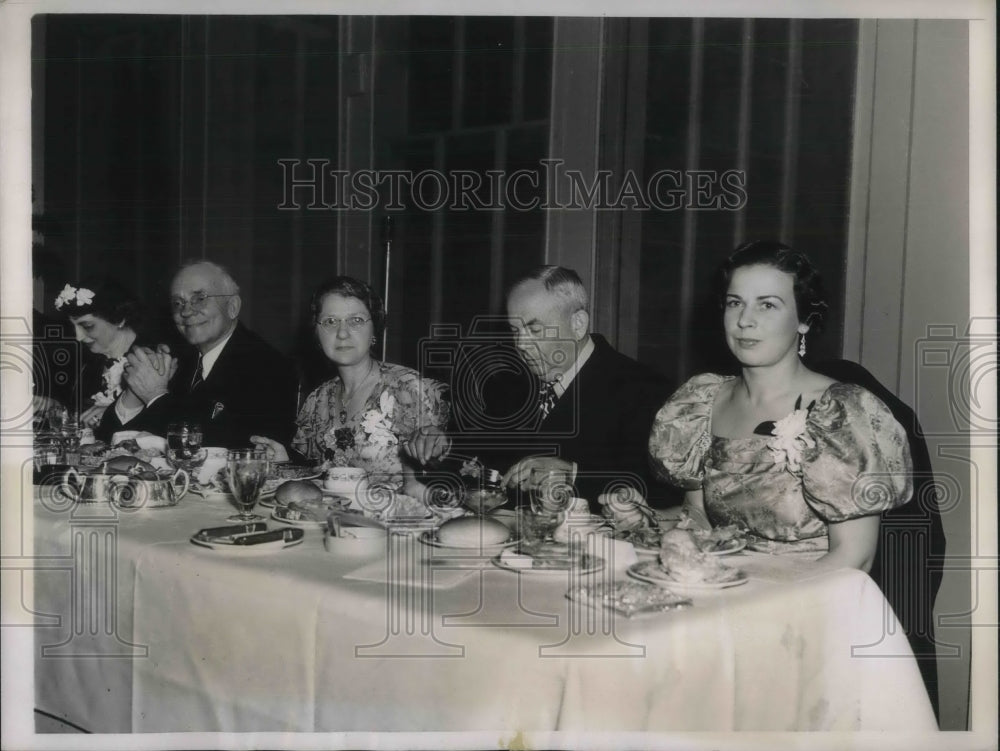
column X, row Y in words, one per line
column 162, row 136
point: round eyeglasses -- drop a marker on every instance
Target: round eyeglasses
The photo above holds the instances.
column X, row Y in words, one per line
column 196, row 302
column 354, row 323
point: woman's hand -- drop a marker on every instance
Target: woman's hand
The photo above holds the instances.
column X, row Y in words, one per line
column 427, row 444
column 694, row 509
column 274, row 450
column 92, row 417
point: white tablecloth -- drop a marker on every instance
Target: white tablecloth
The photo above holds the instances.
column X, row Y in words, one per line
column 283, row 642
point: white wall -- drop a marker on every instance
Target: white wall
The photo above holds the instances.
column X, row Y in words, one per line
column 908, row 305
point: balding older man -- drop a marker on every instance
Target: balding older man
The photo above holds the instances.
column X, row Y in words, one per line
column 595, row 406
column 231, row 382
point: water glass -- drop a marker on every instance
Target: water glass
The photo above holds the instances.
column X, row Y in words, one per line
column 247, row 470
column 550, row 494
column 184, row 445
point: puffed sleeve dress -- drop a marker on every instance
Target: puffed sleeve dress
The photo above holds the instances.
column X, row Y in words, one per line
column 842, row 457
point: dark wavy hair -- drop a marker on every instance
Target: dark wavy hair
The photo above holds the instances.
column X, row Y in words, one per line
column 112, row 302
column 810, row 297
column 348, row 286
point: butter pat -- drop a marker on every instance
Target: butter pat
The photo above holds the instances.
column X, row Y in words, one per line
column 515, row 560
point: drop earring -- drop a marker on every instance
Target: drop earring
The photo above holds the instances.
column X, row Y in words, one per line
column 802, row 345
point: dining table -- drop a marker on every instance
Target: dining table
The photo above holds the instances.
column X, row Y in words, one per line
column 140, row 631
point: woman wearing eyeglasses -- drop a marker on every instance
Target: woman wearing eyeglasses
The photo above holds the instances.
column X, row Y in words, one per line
column 360, row 417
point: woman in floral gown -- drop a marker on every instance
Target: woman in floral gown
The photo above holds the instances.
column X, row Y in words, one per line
column 360, row 417
column 107, row 320
column 802, row 462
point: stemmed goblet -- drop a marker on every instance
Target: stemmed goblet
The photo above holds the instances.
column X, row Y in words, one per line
column 550, row 494
column 247, row 470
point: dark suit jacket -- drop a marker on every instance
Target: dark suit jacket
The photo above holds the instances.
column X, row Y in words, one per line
column 251, row 390
column 602, row 422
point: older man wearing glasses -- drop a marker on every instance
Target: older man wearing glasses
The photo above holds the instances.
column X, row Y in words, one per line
column 231, row 382
column 594, row 409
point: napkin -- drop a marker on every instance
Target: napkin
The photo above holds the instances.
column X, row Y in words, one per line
column 151, row 442
column 618, row 554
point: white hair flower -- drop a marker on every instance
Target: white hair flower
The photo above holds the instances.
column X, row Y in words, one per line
column 67, row 294
column 80, row 297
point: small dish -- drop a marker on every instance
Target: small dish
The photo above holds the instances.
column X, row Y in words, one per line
column 429, row 537
column 526, row 564
column 652, row 573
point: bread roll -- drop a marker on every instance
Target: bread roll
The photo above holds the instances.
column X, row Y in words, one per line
column 473, row 531
column 301, row 491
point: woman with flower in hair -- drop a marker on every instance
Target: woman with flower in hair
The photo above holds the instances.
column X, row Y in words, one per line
column 107, row 321
column 801, row 462
column 363, row 415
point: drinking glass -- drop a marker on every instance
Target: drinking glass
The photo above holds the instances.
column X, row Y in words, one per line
column 550, row 493
column 68, row 425
column 247, row 470
column 184, row 445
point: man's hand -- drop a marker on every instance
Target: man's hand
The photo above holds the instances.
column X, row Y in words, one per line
column 274, row 451
column 520, row 474
column 147, row 373
column 427, row 444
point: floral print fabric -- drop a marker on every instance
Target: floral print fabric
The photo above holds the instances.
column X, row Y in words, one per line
column 401, row 402
column 844, row 457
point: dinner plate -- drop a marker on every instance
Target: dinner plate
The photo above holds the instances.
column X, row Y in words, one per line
column 291, row 538
column 651, row 573
column 735, row 545
column 331, row 500
column 646, row 552
column 732, row 546
column 428, row 537
column 588, row 565
column 280, row 513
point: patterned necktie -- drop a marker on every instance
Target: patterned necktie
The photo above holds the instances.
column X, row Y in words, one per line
column 546, row 397
column 197, row 379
